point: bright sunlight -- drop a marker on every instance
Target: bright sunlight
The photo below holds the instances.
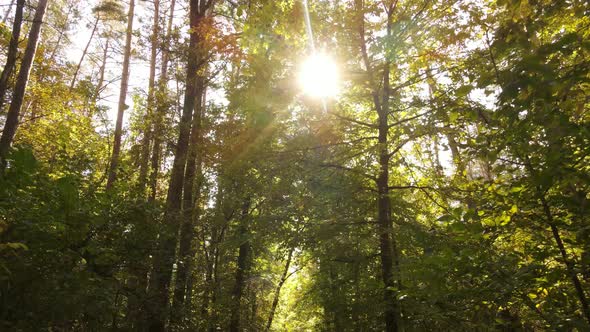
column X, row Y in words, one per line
column 318, row 76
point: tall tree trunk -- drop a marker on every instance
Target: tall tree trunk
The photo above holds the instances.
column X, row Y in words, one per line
column 21, row 83
column 387, row 246
column 384, row 216
column 12, row 50
column 164, row 257
column 277, row 294
column 85, row 51
column 148, row 130
column 190, row 210
column 160, row 109
column 242, row 270
column 139, row 273
column 122, row 96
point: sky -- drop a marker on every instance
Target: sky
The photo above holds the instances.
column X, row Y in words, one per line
column 139, row 68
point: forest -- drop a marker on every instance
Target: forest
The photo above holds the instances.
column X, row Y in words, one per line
column 294, row 165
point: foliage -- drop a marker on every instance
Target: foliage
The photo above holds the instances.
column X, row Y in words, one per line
column 487, row 141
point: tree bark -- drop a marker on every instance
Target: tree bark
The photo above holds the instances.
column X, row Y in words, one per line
column 385, row 224
column 12, row 50
column 190, row 210
column 164, row 257
column 122, row 96
column 21, row 83
column 242, row 270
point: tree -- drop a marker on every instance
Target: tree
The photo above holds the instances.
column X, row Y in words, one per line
column 122, row 97
column 165, row 256
column 12, row 50
column 161, row 105
column 445, row 186
column 21, row 83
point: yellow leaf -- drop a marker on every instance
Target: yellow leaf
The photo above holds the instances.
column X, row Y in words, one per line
column 514, row 209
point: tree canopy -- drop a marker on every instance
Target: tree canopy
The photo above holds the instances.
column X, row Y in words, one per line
column 295, row 165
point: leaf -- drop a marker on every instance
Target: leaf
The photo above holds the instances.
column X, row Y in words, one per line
column 445, row 218
column 513, row 209
column 463, row 90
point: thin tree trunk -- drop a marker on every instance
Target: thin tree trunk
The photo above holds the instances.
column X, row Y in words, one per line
column 206, row 291
column 277, row 294
column 21, row 83
column 160, row 109
column 12, row 50
column 94, row 28
column 216, row 287
column 562, row 251
column 190, row 210
column 138, row 309
column 385, row 226
column 103, row 67
column 148, row 133
column 164, row 257
column 211, row 280
column 387, row 246
column 122, row 96
column 568, row 263
column 242, row 270
column 62, row 33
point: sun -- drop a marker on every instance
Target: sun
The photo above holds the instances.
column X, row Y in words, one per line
column 319, row 77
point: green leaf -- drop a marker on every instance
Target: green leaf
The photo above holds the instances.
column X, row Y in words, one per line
column 463, row 90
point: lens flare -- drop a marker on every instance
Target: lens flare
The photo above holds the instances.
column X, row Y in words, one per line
column 318, row 76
